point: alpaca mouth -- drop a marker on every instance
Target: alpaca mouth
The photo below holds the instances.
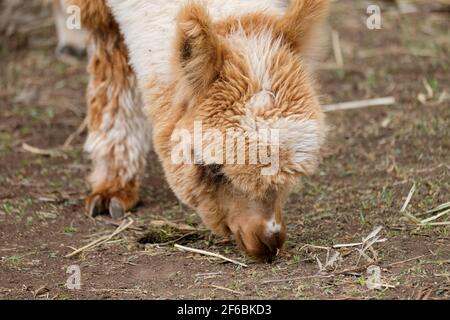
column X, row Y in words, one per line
column 264, row 249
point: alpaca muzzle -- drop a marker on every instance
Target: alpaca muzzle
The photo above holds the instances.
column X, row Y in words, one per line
column 260, row 238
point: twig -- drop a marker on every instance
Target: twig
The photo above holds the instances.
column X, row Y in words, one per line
column 360, row 104
column 367, row 243
column 39, row 151
column 445, row 208
column 124, row 226
column 337, row 49
column 427, row 221
column 314, row 247
column 405, row 261
column 437, row 262
column 40, row 291
column 228, row 290
column 438, row 224
column 424, row 294
column 210, row 254
column 210, row 274
column 75, row 134
column 412, row 218
column 373, row 234
column 331, row 262
column 408, row 199
column 317, row 276
column 430, row 91
column 351, row 245
column 384, row 285
column 124, row 291
column 440, row 208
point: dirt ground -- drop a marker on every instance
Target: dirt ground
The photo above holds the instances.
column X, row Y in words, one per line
column 373, row 159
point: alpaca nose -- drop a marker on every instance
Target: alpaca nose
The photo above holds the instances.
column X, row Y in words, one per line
column 262, row 241
column 270, row 246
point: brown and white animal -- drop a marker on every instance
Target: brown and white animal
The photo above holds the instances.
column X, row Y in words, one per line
column 233, row 66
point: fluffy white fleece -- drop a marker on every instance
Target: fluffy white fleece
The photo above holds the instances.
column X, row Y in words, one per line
column 149, row 28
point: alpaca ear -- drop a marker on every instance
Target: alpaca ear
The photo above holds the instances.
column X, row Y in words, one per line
column 302, row 21
column 199, row 52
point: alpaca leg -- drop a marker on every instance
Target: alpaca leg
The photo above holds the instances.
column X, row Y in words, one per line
column 119, row 139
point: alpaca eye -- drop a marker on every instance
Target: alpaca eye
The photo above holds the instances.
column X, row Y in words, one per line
column 213, row 174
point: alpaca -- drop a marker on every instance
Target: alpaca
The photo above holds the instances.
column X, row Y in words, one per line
column 71, row 43
column 233, row 66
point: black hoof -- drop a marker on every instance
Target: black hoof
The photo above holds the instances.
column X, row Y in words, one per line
column 71, row 52
column 115, row 209
column 97, row 207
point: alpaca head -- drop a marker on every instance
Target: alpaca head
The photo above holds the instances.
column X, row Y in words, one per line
column 242, row 122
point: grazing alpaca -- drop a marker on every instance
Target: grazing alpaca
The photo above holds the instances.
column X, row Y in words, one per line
column 231, row 65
